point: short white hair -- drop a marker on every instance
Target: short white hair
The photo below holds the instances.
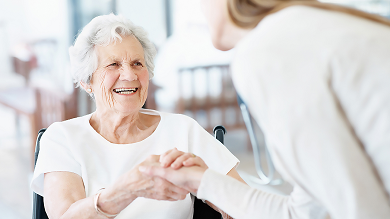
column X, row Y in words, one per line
column 104, row 30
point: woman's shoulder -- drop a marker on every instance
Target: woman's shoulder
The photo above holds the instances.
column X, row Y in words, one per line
column 174, row 121
column 169, row 116
column 178, row 118
column 70, row 125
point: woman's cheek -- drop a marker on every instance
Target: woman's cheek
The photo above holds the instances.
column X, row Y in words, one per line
column 105, row 86
column 109, row 79
column 144, row 79
column 144, row 93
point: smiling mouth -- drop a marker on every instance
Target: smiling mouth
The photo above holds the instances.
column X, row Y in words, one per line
column 125, row 90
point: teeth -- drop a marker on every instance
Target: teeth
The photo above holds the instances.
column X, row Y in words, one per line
column 125, row 90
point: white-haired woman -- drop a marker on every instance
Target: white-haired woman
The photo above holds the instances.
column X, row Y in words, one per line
column 88, row 166
column 316, row 78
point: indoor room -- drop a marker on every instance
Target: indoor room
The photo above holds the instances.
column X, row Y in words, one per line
column 187, row 75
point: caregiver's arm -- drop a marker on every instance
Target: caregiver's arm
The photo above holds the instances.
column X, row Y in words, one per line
column 230, row 195
column 65, row 193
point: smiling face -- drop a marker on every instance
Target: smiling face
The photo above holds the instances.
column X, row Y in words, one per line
column 121, row 80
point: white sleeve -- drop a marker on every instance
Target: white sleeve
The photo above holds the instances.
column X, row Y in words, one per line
column 214, row 153
column 54, row 155
column 241, row 201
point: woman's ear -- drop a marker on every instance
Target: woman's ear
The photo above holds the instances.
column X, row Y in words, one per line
column 86, row 87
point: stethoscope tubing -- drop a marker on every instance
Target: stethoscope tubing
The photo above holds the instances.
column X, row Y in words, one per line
column 264, row 178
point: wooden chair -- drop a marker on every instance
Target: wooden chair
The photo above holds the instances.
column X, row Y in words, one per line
column 41, row 105
column 24, row 68
column 42, row 102
column 151, row 100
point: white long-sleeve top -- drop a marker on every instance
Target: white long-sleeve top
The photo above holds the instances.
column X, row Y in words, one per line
column 318, row 84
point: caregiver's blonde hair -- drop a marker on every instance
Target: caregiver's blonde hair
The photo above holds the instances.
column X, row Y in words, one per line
column 248, row 13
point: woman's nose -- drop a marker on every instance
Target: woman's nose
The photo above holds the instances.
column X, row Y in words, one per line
column 128, row 74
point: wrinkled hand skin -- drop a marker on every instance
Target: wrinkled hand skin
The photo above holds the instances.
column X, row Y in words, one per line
column 152, row 187
column 177, row 159
column 179, row 168
column 182, row 169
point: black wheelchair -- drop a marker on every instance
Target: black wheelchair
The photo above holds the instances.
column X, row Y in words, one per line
column 201, row 209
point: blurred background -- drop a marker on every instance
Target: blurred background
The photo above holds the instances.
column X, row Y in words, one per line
column 36, row 89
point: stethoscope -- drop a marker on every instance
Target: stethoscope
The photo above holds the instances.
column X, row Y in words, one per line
column 263, row 179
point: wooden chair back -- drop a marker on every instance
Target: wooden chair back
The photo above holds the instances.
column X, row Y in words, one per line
column 51, row 106
column 207, row 94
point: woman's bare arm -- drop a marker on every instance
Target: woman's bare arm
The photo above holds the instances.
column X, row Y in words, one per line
column 65, row 196
column 65, row 193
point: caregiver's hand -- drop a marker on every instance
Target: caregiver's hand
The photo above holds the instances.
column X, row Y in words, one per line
column 187, row 177
column 176, row 159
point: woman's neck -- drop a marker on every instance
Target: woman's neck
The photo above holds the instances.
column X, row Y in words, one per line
column 119, row 128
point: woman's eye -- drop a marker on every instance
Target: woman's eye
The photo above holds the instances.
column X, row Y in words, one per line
column 113, row 64
column 138, row 64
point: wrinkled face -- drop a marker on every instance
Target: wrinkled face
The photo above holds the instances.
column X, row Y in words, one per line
column 217, row 17
column 121, row 80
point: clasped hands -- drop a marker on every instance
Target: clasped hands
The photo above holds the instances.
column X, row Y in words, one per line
column 185, row 170
column 170, row 176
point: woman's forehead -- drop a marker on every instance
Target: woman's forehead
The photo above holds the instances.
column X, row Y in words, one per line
column 127, row 49
column 126, row 57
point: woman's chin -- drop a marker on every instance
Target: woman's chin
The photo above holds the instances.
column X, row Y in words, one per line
column 221, row 45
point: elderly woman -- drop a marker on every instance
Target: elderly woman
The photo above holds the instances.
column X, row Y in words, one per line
column 88, row 166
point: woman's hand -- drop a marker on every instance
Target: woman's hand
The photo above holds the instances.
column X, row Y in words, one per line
column 185, row 170
column 158, row 188
column 135, row 184
column 176, row 159
column 143, row 185
column 182, row 169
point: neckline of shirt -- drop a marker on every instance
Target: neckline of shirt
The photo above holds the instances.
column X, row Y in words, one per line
column 144, row 111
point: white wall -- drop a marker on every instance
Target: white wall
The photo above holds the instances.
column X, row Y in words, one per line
column 381, row 7
column 149, row 14
column 27, row 21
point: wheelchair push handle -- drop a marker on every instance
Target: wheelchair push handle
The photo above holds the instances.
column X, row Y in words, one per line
column 219, row 133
